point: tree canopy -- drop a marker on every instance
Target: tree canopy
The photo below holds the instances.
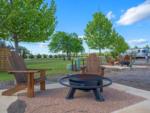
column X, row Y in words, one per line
column 118, row 45
column 27, row 20
column 98, row 32
column 67, row 43
column 77, row 44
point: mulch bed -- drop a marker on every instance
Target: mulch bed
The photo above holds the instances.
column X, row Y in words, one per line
column 53, row 101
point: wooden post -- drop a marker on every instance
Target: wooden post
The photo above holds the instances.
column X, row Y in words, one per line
column 75, row 66
column 42, row 82
column 83, row 62
column 102, row 71
column 72, row 65
column 30, row 85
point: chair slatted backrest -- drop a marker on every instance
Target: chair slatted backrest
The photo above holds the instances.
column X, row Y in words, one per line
column 93, row 64
column 17, row 63
column 127, row 58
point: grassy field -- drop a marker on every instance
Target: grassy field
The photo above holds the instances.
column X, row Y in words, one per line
column 54, row 66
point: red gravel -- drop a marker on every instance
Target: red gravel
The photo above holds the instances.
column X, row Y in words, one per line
column 53, row 101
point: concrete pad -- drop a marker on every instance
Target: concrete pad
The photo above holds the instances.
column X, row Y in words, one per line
column 53, row 86
column 5, row 102
column 115, row 67
column 142, row 107
column 140, row 67
column 131, row 90
column 125, row 67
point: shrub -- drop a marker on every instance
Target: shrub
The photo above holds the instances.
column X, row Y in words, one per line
column 31, row 56
column 39, row 56
column 50, row 56
column 55, row 56
column 59, row 56
column 64, row 57
column 24, row 56
column 44, row 56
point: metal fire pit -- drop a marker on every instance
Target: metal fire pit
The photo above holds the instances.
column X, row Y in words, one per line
column 85, row 82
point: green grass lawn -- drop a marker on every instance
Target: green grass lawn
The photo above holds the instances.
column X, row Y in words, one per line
column 54, row 66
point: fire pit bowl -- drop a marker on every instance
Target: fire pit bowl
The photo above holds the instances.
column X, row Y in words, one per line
column 85, row 82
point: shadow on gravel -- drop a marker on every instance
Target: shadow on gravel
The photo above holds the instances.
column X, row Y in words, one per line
column 17, row 107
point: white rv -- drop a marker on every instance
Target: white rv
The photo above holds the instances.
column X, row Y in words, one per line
column 138, row 53
column 142, row 53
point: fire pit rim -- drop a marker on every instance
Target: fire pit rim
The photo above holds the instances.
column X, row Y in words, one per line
column 62, row 81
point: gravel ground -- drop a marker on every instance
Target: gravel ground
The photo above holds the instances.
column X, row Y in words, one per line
column 139, row 78
column 53, row 101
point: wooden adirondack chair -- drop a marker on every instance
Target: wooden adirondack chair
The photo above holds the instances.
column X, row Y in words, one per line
column 24, row 77
column 126, row 60
column 93, row 66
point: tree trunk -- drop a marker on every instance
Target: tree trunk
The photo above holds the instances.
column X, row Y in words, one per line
column 68, row 56
column 99, row 51
column 16, row 43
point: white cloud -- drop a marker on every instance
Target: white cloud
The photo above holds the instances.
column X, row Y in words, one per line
column 138, row 42
column 81, row 36
column 110, row 15
column 135, row 14
column 42, row 45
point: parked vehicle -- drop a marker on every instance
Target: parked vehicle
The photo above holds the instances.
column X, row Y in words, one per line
column 138, row 53
column 141, row 53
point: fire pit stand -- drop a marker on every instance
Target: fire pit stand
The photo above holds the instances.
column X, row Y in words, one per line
column 85, row 82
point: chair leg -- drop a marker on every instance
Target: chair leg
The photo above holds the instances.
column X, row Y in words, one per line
column 13, row 90
column 30, row 85
column 42, row 83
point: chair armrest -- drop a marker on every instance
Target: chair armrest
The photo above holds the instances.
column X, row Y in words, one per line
column 24, row 71
column 39, row 69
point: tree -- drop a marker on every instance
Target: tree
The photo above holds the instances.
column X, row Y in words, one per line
column 97, row 32
column 64, row 42
column 26, row 20
column 24, row 51
column 39, row 56
column 60, row 41
column 77, row 44
column 147, row 47
column 31, row 56
column 118, row 44
column 136, row 47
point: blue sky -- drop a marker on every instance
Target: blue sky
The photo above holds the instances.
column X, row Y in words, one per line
column 131, row 18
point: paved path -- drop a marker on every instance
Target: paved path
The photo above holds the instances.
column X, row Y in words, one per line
column 141, row 107
column 5, row 101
